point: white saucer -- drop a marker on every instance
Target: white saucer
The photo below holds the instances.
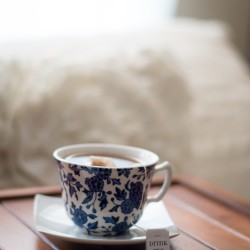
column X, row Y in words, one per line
column 51, row 219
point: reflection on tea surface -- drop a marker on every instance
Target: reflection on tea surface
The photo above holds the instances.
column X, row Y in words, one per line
column 101, row 160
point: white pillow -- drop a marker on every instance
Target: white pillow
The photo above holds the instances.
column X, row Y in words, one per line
column 127, row 91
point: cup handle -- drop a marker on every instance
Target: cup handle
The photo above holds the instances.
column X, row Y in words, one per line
column 167, row 180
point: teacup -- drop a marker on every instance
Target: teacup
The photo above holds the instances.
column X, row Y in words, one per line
column 107, row 200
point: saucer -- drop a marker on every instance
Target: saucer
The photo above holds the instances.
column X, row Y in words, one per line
column 51, row 219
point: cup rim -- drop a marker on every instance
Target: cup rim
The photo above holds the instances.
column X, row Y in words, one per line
column 146, row 157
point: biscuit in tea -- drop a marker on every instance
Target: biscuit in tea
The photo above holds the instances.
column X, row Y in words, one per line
column 101, row 161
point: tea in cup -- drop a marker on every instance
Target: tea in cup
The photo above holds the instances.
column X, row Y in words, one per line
column 105, row 186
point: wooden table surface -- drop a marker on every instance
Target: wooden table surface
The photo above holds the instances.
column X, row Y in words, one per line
column 207, row 218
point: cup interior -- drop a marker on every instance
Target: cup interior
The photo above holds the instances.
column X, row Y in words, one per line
column 139, row 155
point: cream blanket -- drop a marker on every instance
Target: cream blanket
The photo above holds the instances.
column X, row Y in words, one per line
column 181, row 90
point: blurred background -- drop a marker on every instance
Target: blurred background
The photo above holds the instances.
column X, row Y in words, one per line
column 29, row 19
column 171, row 76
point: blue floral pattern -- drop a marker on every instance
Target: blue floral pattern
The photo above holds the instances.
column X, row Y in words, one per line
column 117, row 192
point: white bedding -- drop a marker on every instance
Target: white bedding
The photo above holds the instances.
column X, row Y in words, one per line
column 180, row 89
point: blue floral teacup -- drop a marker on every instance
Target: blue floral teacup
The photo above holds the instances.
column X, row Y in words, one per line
column 107, row 200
